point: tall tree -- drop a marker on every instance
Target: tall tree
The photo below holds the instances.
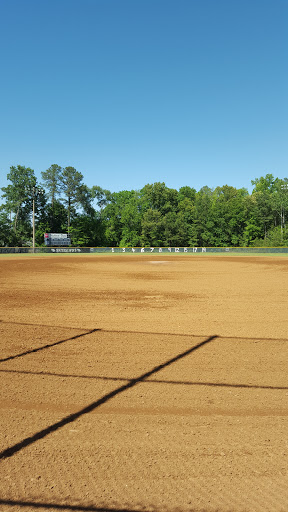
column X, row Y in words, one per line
column 102, row 196
column 264, row 187
column 71, row 185
column 202, row 231
column 280, row 202
column 52, row 181
column 18, row 201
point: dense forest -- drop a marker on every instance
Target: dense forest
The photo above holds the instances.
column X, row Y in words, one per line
column 155, row 216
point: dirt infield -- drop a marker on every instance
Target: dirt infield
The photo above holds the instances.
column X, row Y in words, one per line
column 144, row 383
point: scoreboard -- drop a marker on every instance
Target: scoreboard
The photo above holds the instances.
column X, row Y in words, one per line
column 56, row 239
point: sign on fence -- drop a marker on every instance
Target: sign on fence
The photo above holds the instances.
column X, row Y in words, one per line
column 56, row 239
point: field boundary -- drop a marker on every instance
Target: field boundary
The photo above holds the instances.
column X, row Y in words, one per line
column 144, row 250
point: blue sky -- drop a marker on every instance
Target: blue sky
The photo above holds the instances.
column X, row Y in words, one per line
column 129, row 92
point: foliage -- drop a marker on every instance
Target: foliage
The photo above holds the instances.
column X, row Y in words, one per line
column 75, row 192
column 87, row 231
column 7, row 236
column 52, row 181
column 18, row 203
column 153, row 216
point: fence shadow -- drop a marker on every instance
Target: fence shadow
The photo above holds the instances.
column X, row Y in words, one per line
column 129, row 383
column 154, row 381
column 91, row 407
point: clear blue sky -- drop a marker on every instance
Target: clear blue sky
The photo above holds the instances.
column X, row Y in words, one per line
column 129, row 92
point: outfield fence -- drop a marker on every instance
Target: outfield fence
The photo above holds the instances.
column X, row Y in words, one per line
column 143, row 250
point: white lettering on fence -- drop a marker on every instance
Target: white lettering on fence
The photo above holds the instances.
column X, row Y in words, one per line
column 66, row 250
column 169, row 249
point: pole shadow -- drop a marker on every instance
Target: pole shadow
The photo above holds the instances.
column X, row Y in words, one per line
column 44, row 347
column 81, row 508
column 56, row 506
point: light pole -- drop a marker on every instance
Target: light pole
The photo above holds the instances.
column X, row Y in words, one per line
column 34, row 191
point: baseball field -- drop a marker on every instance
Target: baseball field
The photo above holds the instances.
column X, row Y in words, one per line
column 144, row 383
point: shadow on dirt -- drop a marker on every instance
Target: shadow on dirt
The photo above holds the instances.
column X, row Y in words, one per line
column 155, row 381
column 128, row 383
column 80, row 508
column 72, row 417
column 44, row 347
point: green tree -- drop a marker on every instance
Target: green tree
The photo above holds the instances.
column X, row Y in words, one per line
column 187, row 193
column 185, row 220
column 202, row 229
column 7, row 236
column 280, row 202
column 228, row 213
column 170, row 229
column 87, row 230
column 264, row 184
column 275, row 238
column 102, row 196
column 19, row 196
column 152, row 229
column 263, row 190
column 131, row 220
column 74, row 191
column 159, row 197
column 17, row 200
column 252, row 228
column 52, row 220
column 159, row 208
column 122, row 218
column 52, row 181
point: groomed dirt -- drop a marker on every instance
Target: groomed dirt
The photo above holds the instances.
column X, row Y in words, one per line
column 144, row 383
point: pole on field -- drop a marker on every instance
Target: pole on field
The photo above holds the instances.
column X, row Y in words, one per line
column 34, row 192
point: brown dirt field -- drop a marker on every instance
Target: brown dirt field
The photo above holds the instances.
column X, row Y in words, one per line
column 144, row 383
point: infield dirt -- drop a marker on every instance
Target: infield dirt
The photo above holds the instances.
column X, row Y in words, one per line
column 144, row 383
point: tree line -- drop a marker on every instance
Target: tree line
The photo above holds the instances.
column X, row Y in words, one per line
column 155, row 216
